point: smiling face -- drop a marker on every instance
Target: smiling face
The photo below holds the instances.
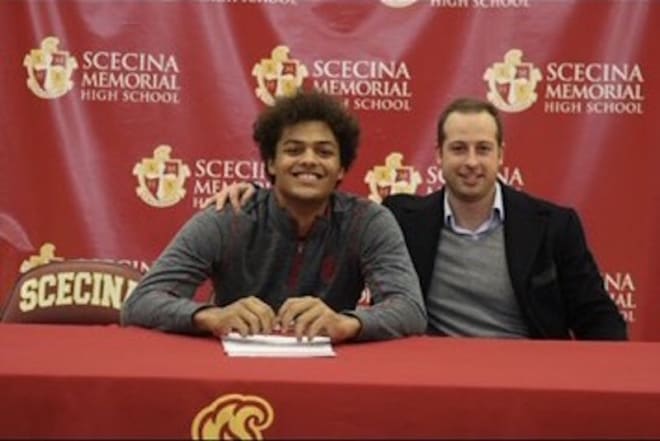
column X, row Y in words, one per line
column 470, row 156
column 307, row 165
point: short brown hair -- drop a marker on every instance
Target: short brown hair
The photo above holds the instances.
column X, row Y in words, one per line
column 470, row 105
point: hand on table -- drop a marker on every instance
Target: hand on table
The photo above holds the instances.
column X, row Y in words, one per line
column 310, row 316
column 246, row 316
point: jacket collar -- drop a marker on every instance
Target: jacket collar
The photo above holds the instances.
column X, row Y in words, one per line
column 524, row 229
column 283, row 221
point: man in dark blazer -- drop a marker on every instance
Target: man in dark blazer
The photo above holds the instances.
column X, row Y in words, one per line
column 494, row 261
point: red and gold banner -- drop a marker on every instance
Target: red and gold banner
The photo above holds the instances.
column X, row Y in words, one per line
column 119, row 118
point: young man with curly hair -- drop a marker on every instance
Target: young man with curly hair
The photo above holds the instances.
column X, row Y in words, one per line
column 298, row 255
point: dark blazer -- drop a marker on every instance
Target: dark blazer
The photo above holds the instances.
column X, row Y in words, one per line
column 554, row 276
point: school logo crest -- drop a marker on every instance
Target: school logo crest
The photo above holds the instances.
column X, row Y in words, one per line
column 392, row 178
column 512, row 83
column 49, row 69
column 161, row 178
column 278, row 75
column 233, row 416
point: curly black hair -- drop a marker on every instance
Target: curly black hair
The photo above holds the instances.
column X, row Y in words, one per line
column 302, row 107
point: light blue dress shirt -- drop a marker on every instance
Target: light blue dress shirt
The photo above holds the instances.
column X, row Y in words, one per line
column 495, row 220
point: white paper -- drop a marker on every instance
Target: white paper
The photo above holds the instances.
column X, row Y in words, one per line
column 276, row 346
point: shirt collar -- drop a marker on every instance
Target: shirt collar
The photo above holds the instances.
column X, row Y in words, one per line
column 281, row 217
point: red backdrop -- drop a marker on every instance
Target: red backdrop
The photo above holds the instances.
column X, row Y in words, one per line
column 117, row 117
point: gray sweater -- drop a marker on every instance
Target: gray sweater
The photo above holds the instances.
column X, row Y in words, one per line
column 257, row 252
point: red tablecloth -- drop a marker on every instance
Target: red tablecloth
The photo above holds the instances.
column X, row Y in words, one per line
column 96, row 381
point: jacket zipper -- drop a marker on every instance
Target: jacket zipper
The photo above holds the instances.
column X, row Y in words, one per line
column 296, row 266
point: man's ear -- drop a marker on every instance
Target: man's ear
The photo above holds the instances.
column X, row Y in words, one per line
column 270, row 167
column 438, row 153
column 341, row 174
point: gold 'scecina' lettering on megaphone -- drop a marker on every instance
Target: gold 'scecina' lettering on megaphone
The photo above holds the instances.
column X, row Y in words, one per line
column 75, row 288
